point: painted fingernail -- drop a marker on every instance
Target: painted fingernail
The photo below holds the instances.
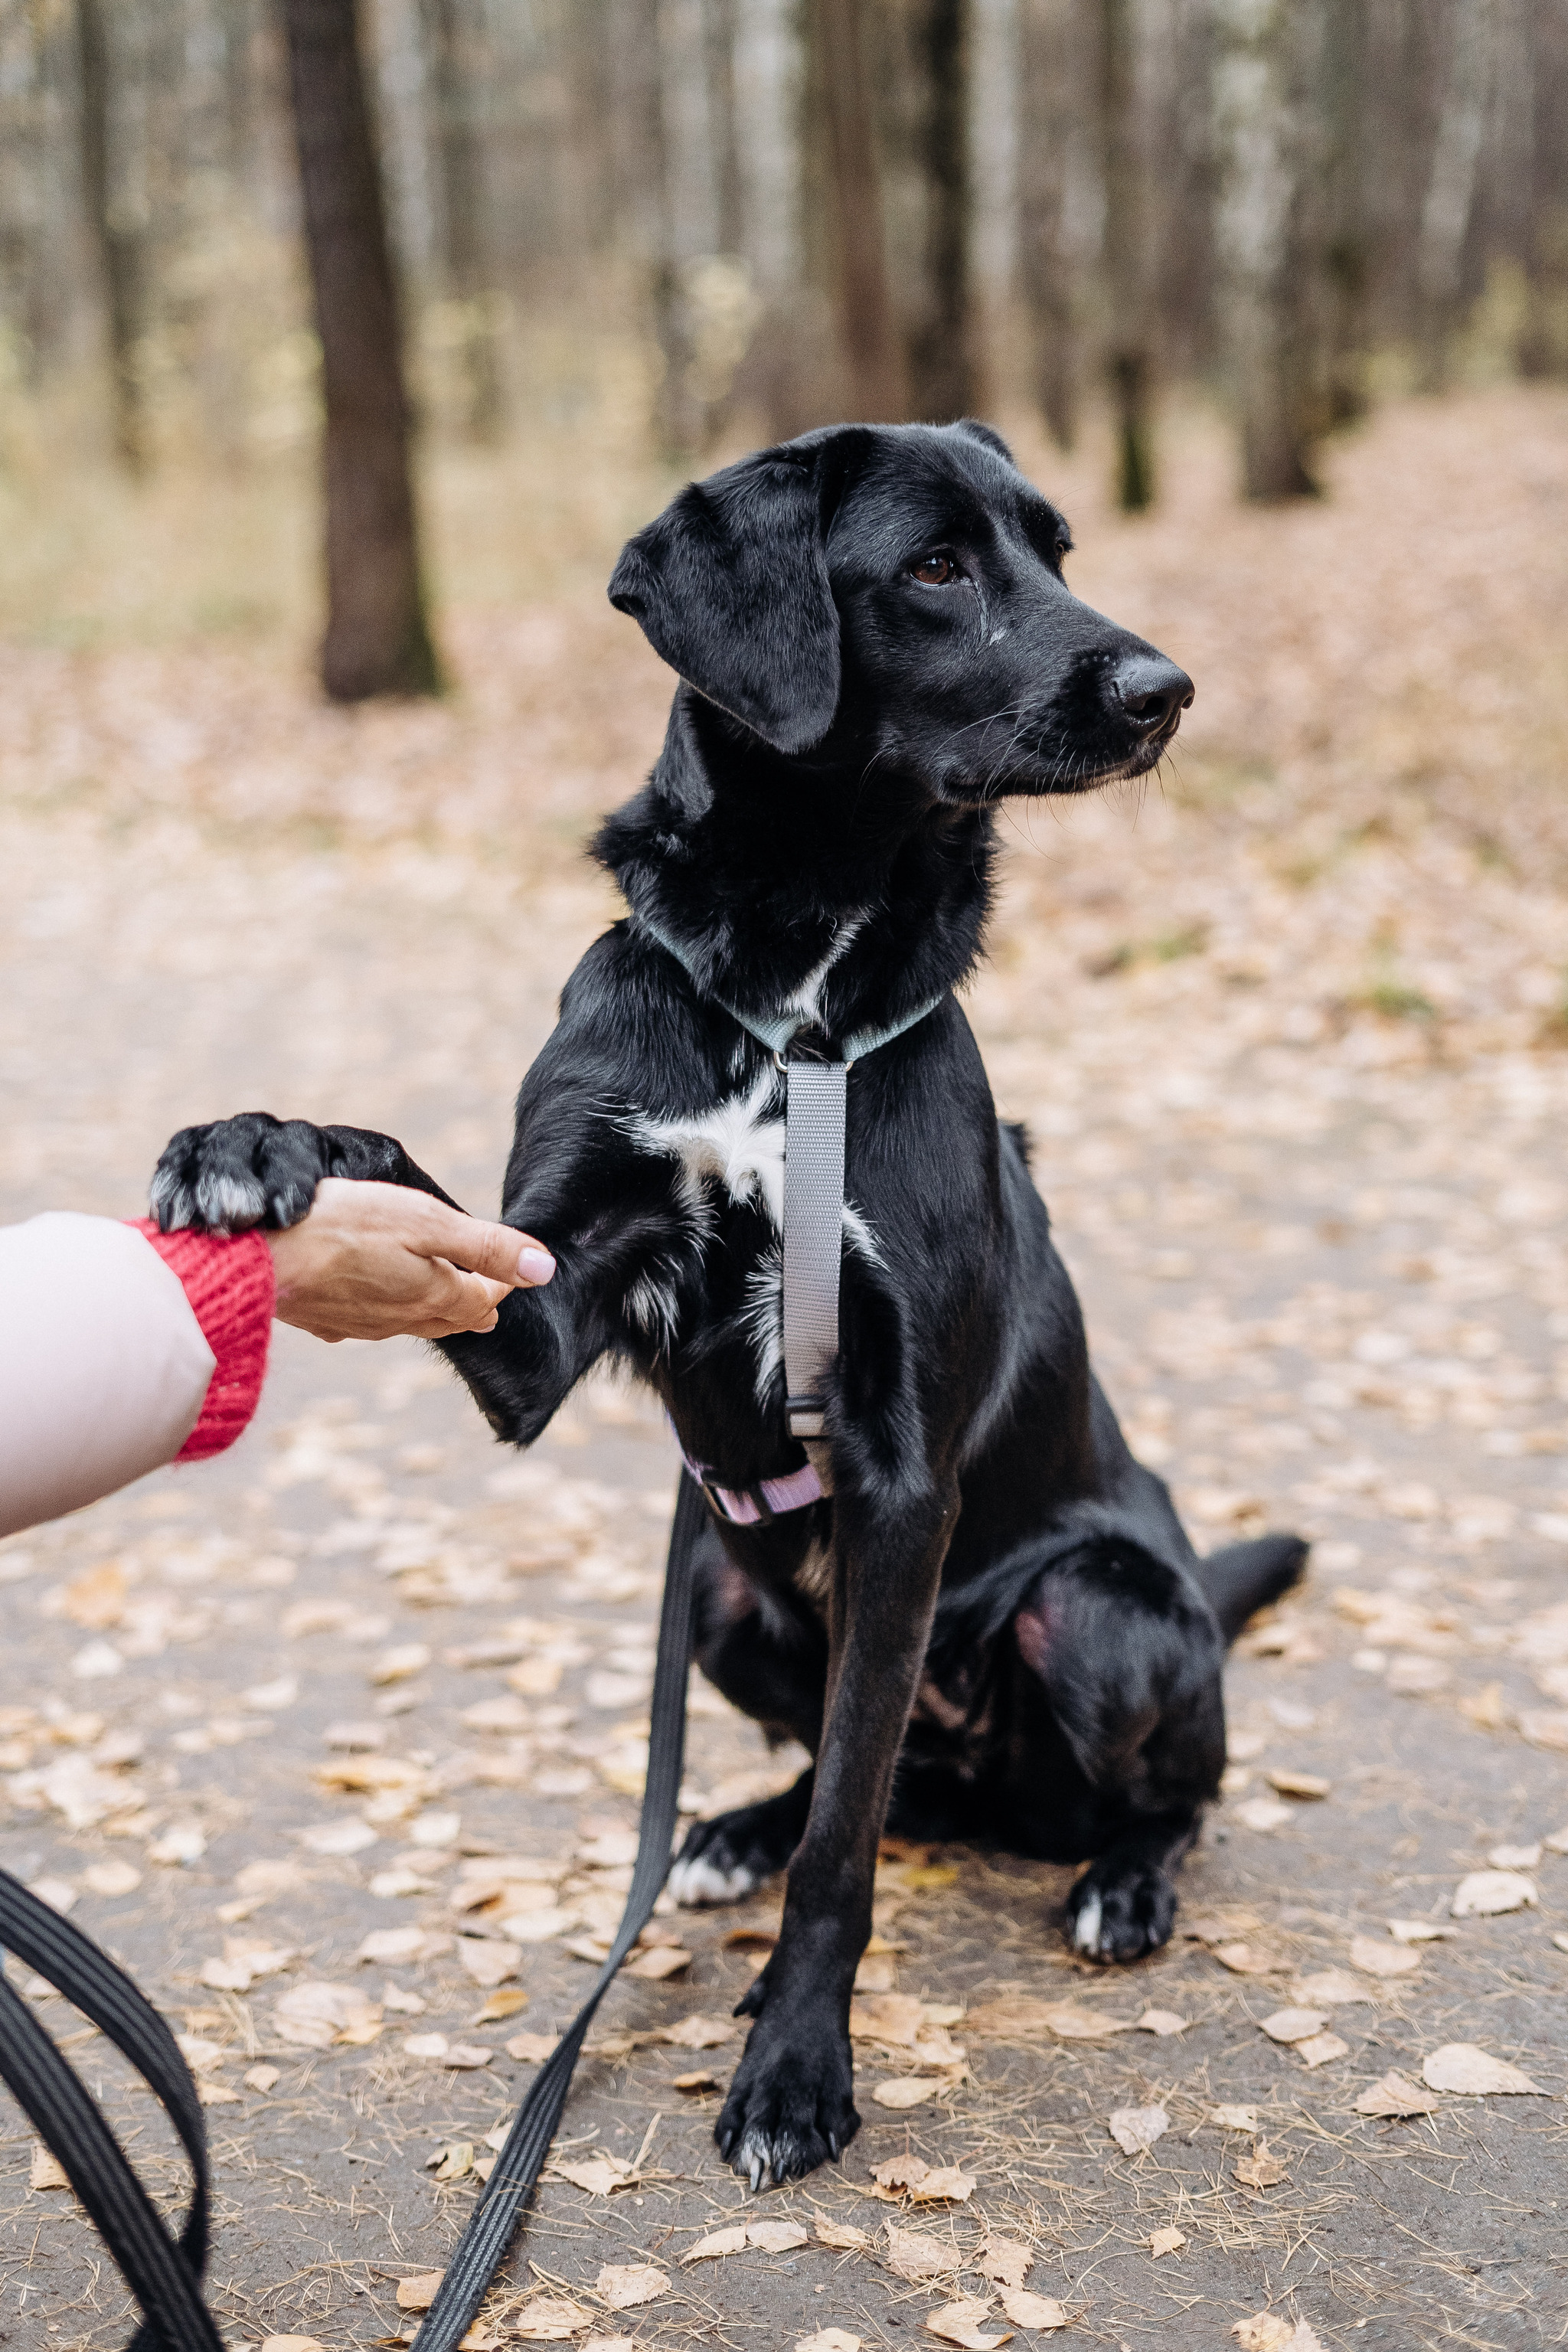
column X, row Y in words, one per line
column 534, row 1265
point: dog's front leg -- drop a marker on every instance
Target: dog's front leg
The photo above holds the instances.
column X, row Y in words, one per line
column 791, row 2104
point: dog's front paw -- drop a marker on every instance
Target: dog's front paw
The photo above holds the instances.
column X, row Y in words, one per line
column 722, row 1859
column 1118, row 1911
column 237, row 1173
column 791, row 2105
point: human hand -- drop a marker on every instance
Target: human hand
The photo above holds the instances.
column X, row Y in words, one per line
column 370, row 1261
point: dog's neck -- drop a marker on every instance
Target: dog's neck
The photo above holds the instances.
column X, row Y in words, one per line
column 788, row 877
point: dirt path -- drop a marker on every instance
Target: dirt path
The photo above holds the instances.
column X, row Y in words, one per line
column 1291, row 1042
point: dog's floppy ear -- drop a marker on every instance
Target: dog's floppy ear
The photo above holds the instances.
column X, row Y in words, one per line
column 986, row 434
column 729, row 585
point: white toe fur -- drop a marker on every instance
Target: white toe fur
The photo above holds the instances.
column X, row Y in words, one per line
column 700, row 1882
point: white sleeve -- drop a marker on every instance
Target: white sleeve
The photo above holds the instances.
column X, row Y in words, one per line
column 103, row 1368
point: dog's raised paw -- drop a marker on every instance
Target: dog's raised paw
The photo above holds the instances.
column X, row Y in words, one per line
column 705, row 1880
column 1119, row 1915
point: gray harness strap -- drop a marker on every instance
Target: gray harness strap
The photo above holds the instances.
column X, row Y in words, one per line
column 816, row 1096
column 812, row 1235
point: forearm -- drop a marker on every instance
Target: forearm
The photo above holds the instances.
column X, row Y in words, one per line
column 105, row 1369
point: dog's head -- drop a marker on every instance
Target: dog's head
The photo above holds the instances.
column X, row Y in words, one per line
column 895, row 592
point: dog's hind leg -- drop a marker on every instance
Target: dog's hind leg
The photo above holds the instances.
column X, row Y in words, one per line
column 1121, row 1720
column 722, row 1859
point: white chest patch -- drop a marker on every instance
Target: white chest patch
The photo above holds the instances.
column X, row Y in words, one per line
column 735, row 1144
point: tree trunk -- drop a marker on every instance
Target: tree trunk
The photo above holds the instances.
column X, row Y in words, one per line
column 1346, row 260
column 465, row 246
column 1129, row 357
column 1543, row 337
column 868, row 330
column 118, row 255
column 1050, row 69
column 377, row 640
column 1451, row 184
column 943, row 375
column 1267, row 64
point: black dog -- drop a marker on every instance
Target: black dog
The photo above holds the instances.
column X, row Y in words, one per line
column 876, row 644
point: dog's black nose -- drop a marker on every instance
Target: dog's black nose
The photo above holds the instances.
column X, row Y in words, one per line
column 1150, row 690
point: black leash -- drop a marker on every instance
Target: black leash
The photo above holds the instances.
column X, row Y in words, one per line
column 482, row 2244
column 164, row 2274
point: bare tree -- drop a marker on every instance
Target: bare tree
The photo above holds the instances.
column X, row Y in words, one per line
column 1052, row 167
column 115, row 246
column 1130, row 353
column 1451, row 184
column 943, row 372
column 453, row 45
column 1267, row 63
column 841, row 88
column 377, row 639
column 1346, row 259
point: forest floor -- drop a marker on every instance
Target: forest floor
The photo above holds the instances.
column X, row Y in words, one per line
column 1291, row 1033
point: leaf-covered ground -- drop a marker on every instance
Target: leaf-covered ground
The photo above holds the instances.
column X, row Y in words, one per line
column 1291, row 1033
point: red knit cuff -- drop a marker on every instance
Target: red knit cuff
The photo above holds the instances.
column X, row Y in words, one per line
column 230, row 1283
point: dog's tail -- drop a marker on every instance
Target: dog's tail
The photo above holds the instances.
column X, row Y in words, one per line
column 1244, row 1577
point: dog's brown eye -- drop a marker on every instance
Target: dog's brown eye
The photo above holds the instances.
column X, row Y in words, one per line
column 936, row 570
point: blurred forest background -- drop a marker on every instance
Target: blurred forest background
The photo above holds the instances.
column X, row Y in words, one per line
column 566, row 247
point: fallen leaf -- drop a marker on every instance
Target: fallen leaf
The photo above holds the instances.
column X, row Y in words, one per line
column 1321, row 2049
column 698, row 2032
column 775, row 2237
column 1167, row 2241
column 625, row 2285
column 959, row 2323
column 842, row 2236
column 717, row 2243
column 46, row 2171
column 396, row 1664
column 1259, row 2170
column 1395, row 2095
column 1005, row 2260
column 110, row 1878
column 702, row 2078
column 1244, row 1960
column 826, row 2339
column 488, row 1959
column 948, row 2184
column 397, row 1946
column 505, row 2002
column 1134, row 2129
column 907, row 2090
column 313, row 2015
column 217, row 2094
column 601, row 2176
column 453, row 2162
column 178, row 1846
column 1486, row 1892
column 1161, row 2021
column 262, row 2078
column 293, row 2344
column 609, row 2343
column 891, row 2018
column 1235, row 2119
column 1380, row 1960
column 1262, row 1814
column 1418, row 1931
column 1461, row 2066
column 1328, row 1989
column 337, row 1837
column 660, row 1960
column 417, row 2293
column 1308, row 1787
column 1265, row 2331
column 911, row 2255
column 1074, row 2022
column 1026, row 2310
column 876, row 1973
column 1293, row 2024
column 549, row 2319
column 900, row 2171
column 1515, row 1857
